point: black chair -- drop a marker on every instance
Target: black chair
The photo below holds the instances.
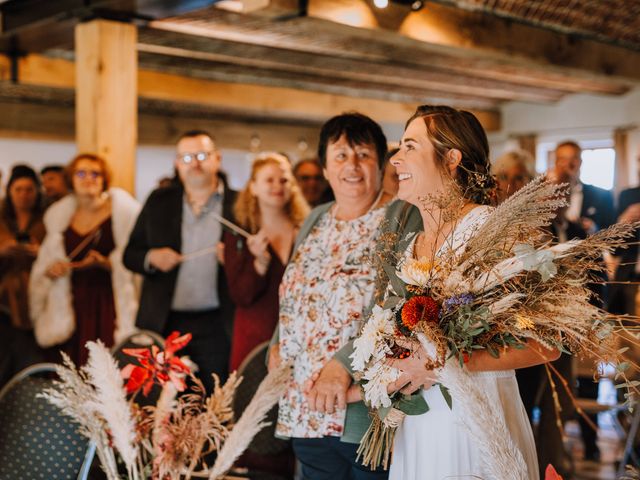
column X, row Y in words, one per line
column 264, row 445
column 36, row 440
column 18, row 349
column 629, row 456
column 140, row 339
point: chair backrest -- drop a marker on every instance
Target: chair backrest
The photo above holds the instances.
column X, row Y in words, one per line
column 140, row 339
column 36, row 440
column 253, row 370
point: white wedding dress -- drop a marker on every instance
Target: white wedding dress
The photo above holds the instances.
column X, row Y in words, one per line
column 436, row 445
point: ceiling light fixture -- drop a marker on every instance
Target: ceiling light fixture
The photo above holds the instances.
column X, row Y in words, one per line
column 414, row 4
column 381, row 3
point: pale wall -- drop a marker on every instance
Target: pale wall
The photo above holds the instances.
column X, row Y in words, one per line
column 153, row 162
column 579, row 117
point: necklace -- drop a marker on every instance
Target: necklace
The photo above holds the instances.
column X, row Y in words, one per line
column 376, row 200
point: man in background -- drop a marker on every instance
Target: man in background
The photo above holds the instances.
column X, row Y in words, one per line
column 183, row 290
column 592, row 208
column 54, row 183
column 589, row 205
column 314, row 186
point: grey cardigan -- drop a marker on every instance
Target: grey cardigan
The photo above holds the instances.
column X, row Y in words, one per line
column 401, row 218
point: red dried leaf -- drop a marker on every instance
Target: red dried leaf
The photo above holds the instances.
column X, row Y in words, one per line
column 551, row 474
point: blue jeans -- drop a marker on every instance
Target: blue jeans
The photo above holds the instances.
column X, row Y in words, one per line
column 328, row 458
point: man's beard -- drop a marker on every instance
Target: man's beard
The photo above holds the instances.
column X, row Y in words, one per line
column 200, row 180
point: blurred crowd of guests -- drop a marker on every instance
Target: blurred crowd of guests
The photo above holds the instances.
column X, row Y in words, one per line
column 81, row 260
column 589, row 210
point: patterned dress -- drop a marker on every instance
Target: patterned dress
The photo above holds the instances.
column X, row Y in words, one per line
column 325, row 290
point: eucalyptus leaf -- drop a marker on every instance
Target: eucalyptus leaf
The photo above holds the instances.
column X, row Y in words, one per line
column 493, row 352
column 413, row 404
column 621, row 367
column 398, row 285
column 392, row 302
column 383, row 412
column 446, row 395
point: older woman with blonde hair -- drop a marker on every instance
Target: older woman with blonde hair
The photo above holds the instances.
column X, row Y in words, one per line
column 79, row 289
column 513, row 170
column 271, row 207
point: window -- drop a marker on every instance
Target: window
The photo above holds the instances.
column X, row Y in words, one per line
column 598, row 167
column 598, row 162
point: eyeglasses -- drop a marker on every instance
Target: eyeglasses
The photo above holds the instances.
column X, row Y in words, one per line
column 188, row 158
column 93, row 174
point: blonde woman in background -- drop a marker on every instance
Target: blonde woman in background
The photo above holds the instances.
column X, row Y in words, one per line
column 271, row 207
column 513, row 170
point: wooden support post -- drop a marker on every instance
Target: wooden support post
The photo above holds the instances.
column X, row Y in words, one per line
column 622, row 168
column 528, row 143
column 106, row 95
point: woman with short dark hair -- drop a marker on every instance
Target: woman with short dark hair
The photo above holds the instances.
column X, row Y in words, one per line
column 326, row 290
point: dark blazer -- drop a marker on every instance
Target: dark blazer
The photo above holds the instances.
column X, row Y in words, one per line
column 597, row 204
column 160, row 225
column 622, row 296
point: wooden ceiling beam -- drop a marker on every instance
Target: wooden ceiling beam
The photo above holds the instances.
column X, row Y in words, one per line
column 372, row 43
column 397, row 73
column 305, row 82
column 56, row 122
column 258, row 100
column 473, row 34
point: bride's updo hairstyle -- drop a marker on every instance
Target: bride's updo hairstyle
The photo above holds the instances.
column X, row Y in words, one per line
column 448, row 128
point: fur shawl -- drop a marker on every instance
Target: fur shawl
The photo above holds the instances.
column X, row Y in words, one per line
column 51, row 302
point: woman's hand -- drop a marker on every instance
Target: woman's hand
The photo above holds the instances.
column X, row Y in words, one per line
column 28, row 249
column 220, row 253
column 329, row 390
column 414, row 375
column 258, row 245
column 93, row 259
column 164, row 259
column 274, row 358
column 58, row 269
column 20, row 250
column 354, row 394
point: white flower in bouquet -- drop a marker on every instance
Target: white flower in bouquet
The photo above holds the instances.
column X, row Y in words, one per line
column 372, row 338
column 378, row 377
column 417, row 272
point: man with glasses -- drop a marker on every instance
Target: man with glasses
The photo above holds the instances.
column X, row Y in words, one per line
column 313, row 185
column 184, row 287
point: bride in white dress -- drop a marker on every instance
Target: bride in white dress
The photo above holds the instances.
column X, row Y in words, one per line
column 441, row 142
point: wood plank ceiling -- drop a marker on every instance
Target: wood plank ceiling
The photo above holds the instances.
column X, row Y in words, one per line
column 476, row 54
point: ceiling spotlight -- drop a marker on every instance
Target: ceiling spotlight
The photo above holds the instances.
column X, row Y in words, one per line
column 415, row 5
column 381, row 3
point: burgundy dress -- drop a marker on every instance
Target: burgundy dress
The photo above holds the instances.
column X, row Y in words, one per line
column 255, row 297
column 92, row 293
column 256, row 317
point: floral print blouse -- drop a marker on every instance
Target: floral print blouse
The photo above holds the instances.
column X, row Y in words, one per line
column 325, row 289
